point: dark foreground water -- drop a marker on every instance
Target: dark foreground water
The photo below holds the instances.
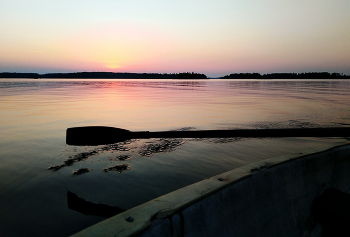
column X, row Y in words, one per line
column 37, row 167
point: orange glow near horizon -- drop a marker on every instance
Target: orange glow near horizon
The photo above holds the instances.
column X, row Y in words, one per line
column 113, row 66
column 144, row 41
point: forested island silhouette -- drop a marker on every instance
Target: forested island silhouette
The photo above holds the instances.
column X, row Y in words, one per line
column 183, row 75
column 105, row 75
column 304, row 75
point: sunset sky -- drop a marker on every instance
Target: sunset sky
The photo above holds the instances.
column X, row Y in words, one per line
column 215, row 37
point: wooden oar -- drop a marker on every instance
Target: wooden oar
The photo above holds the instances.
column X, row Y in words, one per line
column 100, row 135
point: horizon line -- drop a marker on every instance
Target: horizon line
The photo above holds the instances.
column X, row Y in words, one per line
column 172, row 73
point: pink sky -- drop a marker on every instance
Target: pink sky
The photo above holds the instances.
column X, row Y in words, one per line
column 211, row 37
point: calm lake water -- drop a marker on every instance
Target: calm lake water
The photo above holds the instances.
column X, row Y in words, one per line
column 34, row 116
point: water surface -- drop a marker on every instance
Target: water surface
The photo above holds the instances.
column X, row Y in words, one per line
column 34, row 116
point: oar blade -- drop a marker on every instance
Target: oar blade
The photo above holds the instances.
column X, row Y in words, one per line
column 95, row 135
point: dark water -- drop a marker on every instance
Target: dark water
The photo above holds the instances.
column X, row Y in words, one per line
column 34, row 116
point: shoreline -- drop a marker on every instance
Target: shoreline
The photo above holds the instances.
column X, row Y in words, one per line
column 182, row 76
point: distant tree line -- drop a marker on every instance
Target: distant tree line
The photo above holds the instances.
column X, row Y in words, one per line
column 184, row 75
column 307, row 75
column 110, row 75
column 105, row 75
column 18, row 75
column 191, row 75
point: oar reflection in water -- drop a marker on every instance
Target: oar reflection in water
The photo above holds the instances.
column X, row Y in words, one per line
column 88, row 208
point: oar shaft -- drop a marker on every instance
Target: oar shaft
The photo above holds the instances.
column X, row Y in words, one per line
column 289, row 132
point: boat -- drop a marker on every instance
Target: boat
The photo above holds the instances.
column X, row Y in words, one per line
column 273, row 197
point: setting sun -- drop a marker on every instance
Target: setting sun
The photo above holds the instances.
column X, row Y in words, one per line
column 113, row 66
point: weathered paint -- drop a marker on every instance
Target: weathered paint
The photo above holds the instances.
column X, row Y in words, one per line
column 268, row 198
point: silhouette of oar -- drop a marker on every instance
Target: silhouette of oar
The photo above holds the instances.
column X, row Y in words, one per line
column 100, row 135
